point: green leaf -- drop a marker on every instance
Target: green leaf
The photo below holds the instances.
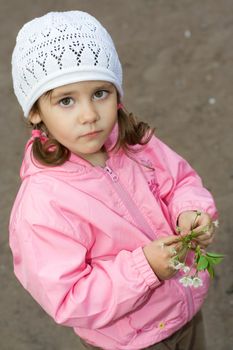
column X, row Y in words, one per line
column 214, row 261
column 197, row 255
column 210, row 270
column 214, row 255
column 202, row 263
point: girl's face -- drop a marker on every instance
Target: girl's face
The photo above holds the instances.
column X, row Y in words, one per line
column 80, row 116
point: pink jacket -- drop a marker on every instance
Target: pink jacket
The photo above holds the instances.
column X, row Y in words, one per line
column 77, row 232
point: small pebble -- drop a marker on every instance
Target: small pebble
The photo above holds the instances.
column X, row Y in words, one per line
column 187, row 34
column 212, row 101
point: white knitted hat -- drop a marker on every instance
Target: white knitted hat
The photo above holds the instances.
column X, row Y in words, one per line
column 61, row 48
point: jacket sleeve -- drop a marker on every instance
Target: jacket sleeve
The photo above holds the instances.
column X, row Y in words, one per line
column 51, row 262
column 180, row 186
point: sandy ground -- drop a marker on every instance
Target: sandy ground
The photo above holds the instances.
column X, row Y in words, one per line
column 178, row 75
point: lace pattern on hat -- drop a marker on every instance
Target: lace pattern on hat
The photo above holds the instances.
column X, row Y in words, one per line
column 61, row 42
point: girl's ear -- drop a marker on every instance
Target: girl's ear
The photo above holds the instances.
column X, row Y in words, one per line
column 34, row 117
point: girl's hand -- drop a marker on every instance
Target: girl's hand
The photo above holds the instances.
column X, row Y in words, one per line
column 159, row 254
column 201, row 224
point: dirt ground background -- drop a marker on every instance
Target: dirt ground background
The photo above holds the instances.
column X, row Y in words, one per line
column 178, row 75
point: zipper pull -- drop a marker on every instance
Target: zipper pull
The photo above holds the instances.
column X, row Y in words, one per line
column 109, row 171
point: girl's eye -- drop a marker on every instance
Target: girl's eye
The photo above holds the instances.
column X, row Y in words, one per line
column 101, row 94
column 66, row 102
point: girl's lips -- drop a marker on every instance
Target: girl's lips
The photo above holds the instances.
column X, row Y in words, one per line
column 94, row 133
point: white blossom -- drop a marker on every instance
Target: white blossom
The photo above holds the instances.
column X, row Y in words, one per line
column 176, row 264
column 186, row 269
column 186, row 281
column 216, row 223
column 197, row 282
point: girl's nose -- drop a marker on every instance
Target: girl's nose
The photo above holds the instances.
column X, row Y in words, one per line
column 88, row 114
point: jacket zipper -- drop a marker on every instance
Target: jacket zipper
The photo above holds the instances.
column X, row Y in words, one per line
column 143, row 225
column 130, row 205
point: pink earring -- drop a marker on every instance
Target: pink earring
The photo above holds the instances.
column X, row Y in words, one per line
column 120, row 106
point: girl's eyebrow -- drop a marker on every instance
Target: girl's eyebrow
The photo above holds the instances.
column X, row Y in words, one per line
column 71, row 92
column 65, row 93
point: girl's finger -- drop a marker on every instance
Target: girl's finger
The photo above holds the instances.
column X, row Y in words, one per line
column 202, row 230
column 170, row 240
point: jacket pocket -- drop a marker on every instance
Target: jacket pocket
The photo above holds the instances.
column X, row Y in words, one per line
column 120, row 331
column 164, row 310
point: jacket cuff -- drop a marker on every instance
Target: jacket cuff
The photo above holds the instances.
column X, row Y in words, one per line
column 144, row 268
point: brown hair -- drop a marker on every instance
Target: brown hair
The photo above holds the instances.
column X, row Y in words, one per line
column 130, row 132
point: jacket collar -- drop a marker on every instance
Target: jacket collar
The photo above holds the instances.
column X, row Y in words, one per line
column 74, row 164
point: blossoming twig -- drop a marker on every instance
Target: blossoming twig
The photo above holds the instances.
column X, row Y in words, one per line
column 202, row 260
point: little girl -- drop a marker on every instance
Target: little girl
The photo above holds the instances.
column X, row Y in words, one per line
column 93, row 227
